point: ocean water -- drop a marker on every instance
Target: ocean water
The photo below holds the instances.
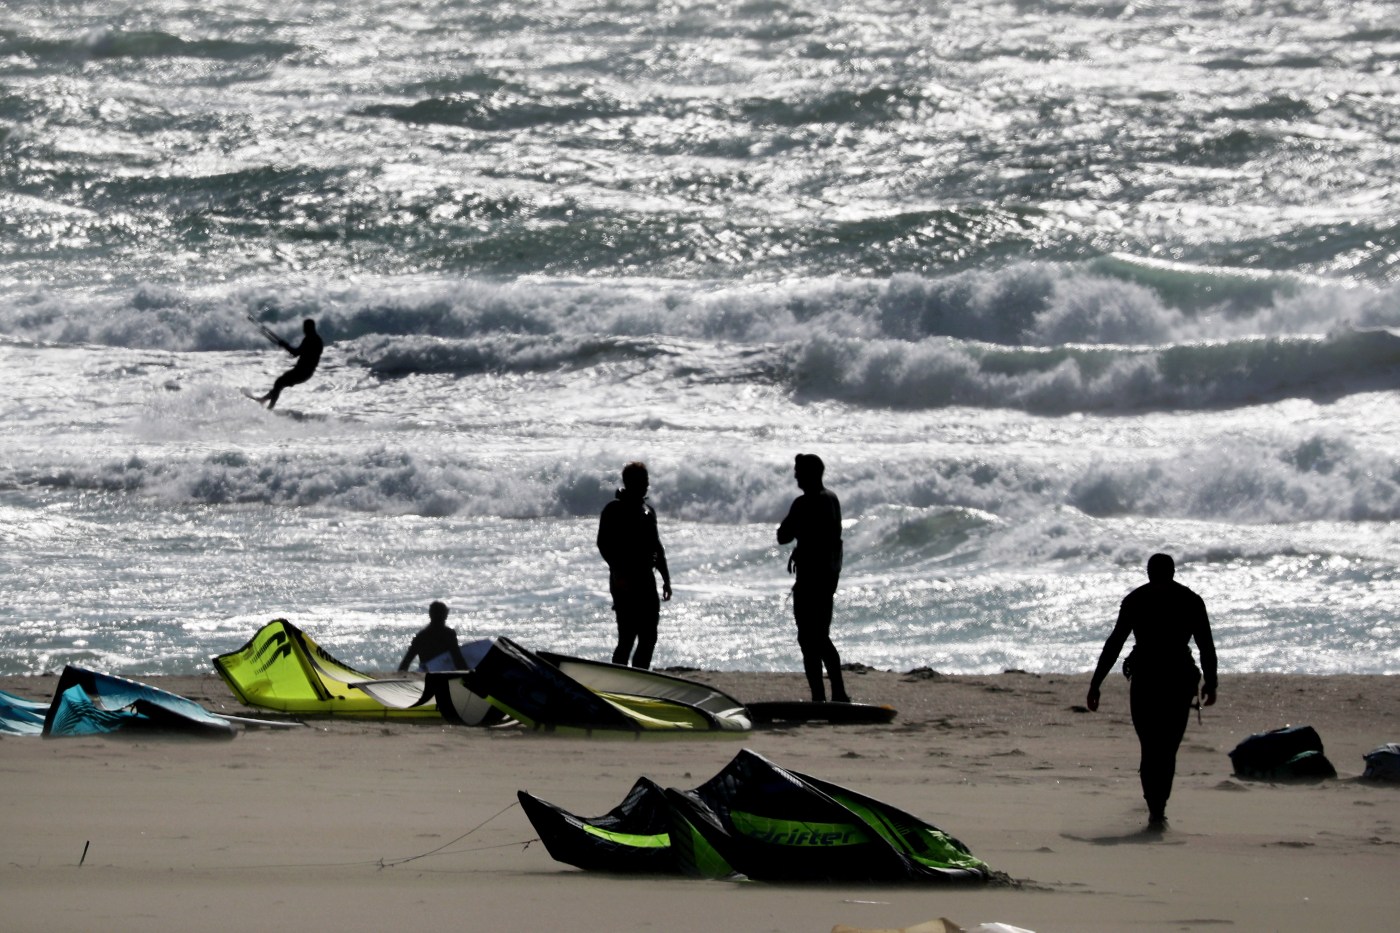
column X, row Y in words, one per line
column 1050, row 286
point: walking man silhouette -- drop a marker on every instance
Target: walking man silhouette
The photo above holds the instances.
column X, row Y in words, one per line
column 1163, row 616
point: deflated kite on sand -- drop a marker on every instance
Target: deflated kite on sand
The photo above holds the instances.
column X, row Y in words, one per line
column 91, row 703
column 757, row 820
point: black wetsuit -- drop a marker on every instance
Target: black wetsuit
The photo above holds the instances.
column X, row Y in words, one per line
column 1163, row 617
column 308, row 355
column 629, row 541
column 814, row 521
column 431, row 641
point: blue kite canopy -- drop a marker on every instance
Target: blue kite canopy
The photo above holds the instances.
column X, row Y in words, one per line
column 19, row 716
column 88, row 703
column 761, row 821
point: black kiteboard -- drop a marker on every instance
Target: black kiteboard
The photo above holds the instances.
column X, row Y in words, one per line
column 807, row 711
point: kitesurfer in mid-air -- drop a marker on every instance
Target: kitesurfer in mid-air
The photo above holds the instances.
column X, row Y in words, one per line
column 434, row 640
column 1163, row 617
column 814, row 522
column 308, row 354
column 629, row 541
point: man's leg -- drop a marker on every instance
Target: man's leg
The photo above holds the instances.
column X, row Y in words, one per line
column 637, row 618
column 626, row 635
column 290, row 378
column 807, row 627
column 646, row 639
column 1159, row 718
column 626, row 631
column 832, row 659
column 273, row 394
column 812, row 608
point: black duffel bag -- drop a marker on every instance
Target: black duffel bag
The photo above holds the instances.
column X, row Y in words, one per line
column 1290, row 752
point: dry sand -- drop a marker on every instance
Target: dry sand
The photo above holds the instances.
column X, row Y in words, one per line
column 351, row 826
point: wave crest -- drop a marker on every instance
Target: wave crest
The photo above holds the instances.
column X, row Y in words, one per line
column 915, row 508
column 1110, row 335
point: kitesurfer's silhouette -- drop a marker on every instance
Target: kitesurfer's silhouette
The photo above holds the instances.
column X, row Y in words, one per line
column 629, row 541
column 814, row 522
column 308, row 354
column 434, row 640
column 1163, row 617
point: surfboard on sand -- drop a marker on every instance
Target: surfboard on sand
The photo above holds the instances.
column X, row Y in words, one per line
column 807, row 711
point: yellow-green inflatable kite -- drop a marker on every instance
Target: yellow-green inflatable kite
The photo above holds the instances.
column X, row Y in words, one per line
column 282, row 669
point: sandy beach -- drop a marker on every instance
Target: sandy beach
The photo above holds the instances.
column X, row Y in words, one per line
column 353, row 825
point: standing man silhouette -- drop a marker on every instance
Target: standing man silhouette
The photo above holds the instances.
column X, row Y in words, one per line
column 1163, row 617
column 814, row 522
column 308, row 354
column 629, row 541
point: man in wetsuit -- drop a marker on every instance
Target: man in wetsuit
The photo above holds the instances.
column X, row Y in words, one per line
column 308, row 355
column 1163, row 617
column 629, row 541
column 814, row 522
column 434, row 640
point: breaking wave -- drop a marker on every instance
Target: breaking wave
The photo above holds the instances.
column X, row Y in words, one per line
column 1115, row 334
column 1314, row 477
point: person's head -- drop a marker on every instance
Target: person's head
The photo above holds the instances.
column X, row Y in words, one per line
column 437, row 613
column 809, row 470
column 308, row 326
column 1160, row 568
column 635, row 478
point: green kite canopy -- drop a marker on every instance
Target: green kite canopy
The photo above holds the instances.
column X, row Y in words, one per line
column 281, row 668
column 761, row 821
